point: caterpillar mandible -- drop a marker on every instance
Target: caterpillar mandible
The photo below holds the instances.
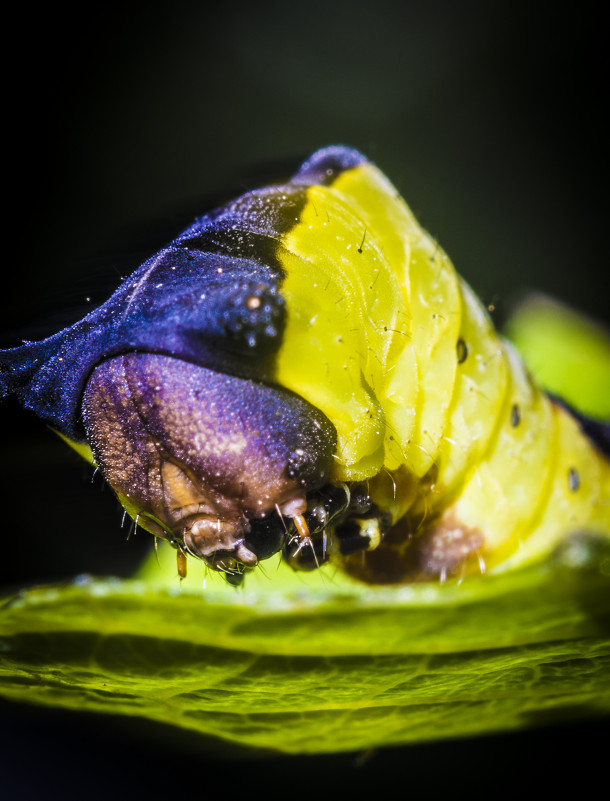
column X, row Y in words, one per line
column 303, row 371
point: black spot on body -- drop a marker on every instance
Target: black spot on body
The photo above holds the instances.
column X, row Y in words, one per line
column 573, row 479
column 515, row 415
column 462, row 351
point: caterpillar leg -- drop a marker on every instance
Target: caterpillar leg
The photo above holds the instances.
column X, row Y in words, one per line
column 350, row 524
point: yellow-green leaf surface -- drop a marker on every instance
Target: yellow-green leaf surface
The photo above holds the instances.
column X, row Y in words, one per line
column 316, row 663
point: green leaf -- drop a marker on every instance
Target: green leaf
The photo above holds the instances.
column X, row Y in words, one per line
column 318, row 663
column 566, row 352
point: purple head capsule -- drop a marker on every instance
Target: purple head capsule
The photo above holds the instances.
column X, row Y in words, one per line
column 204, row 456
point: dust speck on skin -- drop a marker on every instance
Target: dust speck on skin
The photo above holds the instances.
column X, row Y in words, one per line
column 462, row 351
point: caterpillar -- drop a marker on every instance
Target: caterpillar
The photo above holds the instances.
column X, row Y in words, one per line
column 303, row 371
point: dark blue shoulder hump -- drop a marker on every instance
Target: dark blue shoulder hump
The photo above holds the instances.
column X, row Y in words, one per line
column 192, row 300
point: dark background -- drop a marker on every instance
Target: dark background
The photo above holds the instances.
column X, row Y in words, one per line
column 123, row 124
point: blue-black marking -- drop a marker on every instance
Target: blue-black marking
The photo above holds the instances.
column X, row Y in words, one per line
column 192, row 300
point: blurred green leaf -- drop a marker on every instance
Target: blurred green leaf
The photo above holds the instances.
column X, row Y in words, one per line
column 317, row 663
column 567, row 353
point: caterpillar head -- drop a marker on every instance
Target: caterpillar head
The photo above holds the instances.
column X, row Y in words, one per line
column 220, row 466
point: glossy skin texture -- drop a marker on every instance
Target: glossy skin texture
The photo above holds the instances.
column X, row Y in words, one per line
column 304, row 370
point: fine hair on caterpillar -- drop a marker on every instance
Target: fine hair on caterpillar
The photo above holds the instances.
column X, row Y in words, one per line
column 303, row 372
